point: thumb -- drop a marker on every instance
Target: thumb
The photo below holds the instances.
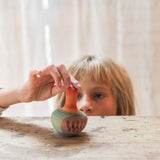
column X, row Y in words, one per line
column 56, row 90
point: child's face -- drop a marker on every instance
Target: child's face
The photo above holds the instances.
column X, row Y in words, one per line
column 96, row 99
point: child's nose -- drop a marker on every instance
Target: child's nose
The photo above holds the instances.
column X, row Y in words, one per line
column 86, row 106
column 86, row 109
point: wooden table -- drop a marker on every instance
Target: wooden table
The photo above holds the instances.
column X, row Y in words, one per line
column 122, row 138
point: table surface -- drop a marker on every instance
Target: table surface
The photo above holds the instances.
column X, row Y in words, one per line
column 119, row 137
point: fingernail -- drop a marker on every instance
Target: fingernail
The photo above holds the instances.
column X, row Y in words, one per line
column 75, row 81
column 78, row 85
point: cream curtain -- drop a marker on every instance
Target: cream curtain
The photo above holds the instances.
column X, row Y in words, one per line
column 35, row 33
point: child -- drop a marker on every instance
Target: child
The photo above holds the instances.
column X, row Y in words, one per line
column 106, row 88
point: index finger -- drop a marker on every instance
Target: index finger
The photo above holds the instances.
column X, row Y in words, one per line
column 54, row 73
column 75, row 83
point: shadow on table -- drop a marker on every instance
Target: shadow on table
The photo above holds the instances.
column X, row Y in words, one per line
column 44, row 135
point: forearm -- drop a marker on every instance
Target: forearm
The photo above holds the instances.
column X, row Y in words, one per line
column 9, row 97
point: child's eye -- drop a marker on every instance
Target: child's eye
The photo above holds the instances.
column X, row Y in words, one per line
column 98, row 95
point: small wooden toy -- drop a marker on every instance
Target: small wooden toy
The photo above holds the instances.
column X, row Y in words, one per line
column 69, row 121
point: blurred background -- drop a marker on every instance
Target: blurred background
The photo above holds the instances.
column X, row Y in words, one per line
column 36, row 33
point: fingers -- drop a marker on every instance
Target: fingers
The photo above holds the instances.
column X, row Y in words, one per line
column 65, row 77
column 59, row 74
column 56, row 90
column 33, row 74
column 75, row 83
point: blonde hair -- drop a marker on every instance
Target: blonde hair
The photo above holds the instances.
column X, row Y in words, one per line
column 104, row 70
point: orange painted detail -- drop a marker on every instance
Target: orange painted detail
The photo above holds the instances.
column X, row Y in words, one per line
column 71, row 101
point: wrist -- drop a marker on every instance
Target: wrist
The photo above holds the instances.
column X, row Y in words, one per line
column 14, row 96
column 9, row 97
column 18, row 96
column 24, row 95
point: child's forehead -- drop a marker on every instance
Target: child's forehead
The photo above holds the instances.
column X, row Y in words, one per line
column 91, row 73
column 94, row 86
column 89, row 78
